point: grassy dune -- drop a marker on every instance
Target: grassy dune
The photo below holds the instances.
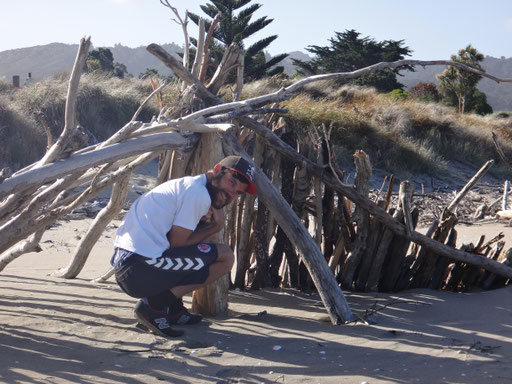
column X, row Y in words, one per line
column 104, row 105
column 399, row 135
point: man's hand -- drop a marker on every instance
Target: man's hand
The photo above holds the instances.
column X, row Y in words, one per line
column 181, row 237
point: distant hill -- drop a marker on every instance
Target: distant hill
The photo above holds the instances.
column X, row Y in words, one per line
column 46, row 60
column 287, row 62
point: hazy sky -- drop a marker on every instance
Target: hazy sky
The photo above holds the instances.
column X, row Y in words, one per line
column 433, row 29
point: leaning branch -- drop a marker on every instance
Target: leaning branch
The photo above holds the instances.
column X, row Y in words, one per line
column 69, row 115
column 75, row 163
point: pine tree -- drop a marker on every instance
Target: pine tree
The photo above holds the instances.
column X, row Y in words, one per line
column 235, row 28
column 349, row 51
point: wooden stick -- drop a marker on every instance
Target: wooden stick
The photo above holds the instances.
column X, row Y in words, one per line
column 74, row 163
column 463, row 192
column 499, row 150
column 69, row 114
column 200, row 49
column 30, row 245
column 82, row 250
column 505, row 196
column 405, row 197
column 104, row 277
column 209, row 35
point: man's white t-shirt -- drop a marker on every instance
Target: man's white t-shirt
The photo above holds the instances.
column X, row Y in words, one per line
column 180, row 202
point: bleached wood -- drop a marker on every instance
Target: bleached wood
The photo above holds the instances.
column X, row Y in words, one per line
column 74, row 163
column 104, row 277
column 183, row 23
column 227, row 64
column 362, row 219
column 464, row 191
column 198, row 59
column 405, row 193
column 206, row 55
column 69, row 115
column 211, row 300
column 286, row 93
column 504, row 202
column 81, row 253
column 237, row 93
column 11, row 234
column 29, row 245
column 317, row 188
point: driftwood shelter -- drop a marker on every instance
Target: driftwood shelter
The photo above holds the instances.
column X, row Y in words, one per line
column 368, row 255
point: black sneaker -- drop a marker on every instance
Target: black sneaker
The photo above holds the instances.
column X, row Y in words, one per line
column 179, row 315
column 156, row 321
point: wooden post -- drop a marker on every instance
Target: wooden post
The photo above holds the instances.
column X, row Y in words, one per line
column 380, row 256
column 504, row 204
column 481, row 172
column 211, row 300
column 361, row 217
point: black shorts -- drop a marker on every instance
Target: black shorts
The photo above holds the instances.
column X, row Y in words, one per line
column 140, row 276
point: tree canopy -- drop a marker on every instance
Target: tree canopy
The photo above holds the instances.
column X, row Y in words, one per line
column 458, row 86
column 349, row 51
column 102, row 59
column 235, row 27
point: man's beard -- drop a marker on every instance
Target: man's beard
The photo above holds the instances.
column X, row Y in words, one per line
column 214, row 193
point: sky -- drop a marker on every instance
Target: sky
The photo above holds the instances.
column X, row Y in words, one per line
column 432, row 29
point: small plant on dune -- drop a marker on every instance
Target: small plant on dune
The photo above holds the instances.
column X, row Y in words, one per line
column 424, row 92
column 398, row 94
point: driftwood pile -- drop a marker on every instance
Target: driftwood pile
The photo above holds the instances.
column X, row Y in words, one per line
column 362, row 252
column 362, row 246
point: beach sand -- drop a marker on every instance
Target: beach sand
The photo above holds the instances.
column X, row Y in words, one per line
column 73, row 331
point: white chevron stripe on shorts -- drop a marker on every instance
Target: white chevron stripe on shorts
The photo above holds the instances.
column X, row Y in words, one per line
column 178, row 263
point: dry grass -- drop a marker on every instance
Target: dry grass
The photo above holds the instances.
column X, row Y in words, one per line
column 399, row 135
column 103, row 106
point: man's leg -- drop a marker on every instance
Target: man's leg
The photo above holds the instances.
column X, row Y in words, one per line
column 222, row 266
column 172, row 299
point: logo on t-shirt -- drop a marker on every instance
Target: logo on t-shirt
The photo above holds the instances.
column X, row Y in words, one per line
column 205, row 248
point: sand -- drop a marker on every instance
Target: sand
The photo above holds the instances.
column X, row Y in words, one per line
column 62, row 331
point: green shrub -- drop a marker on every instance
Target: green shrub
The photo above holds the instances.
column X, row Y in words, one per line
column 398, row 94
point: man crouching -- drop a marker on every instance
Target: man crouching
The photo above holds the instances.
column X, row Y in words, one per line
column 159, row 255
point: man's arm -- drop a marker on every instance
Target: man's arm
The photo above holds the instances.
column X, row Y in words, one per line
column 181, row 237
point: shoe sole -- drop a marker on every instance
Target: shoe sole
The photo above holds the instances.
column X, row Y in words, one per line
column 142, row 320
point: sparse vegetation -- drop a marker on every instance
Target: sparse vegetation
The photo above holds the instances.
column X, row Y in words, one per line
column 104, row 105
column 400, row 134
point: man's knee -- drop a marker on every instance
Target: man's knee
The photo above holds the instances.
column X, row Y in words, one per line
column 225, row 254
